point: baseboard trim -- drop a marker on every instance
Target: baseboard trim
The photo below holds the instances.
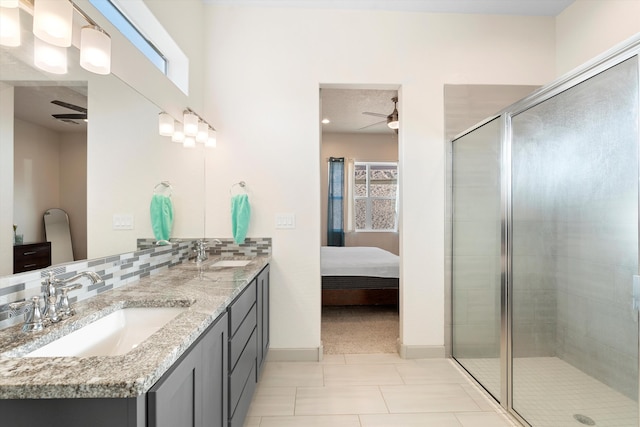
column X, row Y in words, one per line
column 295, row 354
column 421, row 351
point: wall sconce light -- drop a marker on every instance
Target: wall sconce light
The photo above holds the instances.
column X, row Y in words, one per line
column 52, row 21
column 95, row 50
column 203, row 132
column 211, row 140
column 190, row 121
column 178, row 133
column 48, row 57
column 166, row 124
column 9, row 25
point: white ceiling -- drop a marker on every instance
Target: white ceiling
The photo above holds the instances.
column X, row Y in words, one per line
column 344, row 108
column 491, row 7
column 33, row 104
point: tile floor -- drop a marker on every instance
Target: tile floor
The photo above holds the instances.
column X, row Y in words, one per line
column 371, row 390
column 548, row 392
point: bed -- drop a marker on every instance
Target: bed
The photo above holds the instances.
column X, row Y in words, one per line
column 359, row 276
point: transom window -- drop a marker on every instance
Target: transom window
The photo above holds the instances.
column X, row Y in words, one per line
column 375, row 196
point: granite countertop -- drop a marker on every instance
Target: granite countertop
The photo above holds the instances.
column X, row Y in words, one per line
column 206, row 291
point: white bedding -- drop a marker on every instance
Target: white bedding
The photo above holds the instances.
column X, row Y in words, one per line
column 358, row 261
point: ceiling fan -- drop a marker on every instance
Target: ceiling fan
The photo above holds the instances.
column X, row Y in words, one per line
column 391, row 119
column 71, row 117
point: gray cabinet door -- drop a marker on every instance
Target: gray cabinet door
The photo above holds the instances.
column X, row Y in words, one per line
column 215, row 375
column 263, row 318
column 175, row 400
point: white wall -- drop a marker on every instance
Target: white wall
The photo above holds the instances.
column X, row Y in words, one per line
column 588, row 28
column 264, row 69
column 36, row 177
column 6, row 179
column 73, row 188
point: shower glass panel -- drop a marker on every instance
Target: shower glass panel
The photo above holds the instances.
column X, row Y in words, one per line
column 476, row 271
column 574, row 253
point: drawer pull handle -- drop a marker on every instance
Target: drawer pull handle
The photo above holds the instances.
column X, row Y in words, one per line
column 30, row 265
column 30, row 253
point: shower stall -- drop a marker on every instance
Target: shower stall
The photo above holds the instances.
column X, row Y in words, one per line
column 543, row 207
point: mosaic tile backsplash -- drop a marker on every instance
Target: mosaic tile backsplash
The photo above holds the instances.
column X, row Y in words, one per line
column 117, row 270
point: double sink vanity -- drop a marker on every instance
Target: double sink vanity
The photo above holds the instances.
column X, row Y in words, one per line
column 181, row 348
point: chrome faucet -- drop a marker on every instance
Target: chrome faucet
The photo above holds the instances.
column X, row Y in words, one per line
column 57, row 309
column 201, row 250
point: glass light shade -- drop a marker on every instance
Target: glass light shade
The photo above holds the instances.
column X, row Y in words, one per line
column 190, row 124
column 166, row 125
column 393, row 124
column 52, row 21
column 95, row 50
column 203, row 132
column 9, row 26
column 178, row 133
column 189, row 142
column 9, row 3
column 52, row 59
column 211, row 140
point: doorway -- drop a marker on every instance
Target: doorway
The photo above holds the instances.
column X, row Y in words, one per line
column 360, row 312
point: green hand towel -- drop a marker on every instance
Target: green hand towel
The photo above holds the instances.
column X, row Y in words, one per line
column 161, row 216
column 240, row 213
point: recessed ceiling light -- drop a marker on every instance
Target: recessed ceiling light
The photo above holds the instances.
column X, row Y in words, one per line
column 325, row 121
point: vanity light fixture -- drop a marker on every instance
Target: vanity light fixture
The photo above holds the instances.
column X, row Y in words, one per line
column 9, row 3
column 48, row 57
column 178, row 133
column 9, row 25
column 190, row 121
column 52, row 21
column 166, row 124
column 189, row 142
column 203, row 132
column 95, row 50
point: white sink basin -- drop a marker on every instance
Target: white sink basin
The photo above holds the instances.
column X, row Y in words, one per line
column 231, row 263
column 112, row 335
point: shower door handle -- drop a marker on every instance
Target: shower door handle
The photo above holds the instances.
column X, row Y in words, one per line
column 636, row 293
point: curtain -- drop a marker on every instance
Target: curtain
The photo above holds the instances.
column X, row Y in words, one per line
column 335, row 220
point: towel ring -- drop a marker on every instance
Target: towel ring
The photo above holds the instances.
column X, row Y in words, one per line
column 163, row 186
column 242, row 186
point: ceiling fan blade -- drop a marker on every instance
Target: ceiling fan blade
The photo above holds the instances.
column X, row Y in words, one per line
column 375, row 114
column 373, row 124
column 69, row 106
column 70, row 116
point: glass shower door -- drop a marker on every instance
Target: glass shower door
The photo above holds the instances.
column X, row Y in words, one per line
column 574, row 252
column 476, row 259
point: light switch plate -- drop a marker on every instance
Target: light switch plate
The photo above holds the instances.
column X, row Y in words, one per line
column 286, row 220
column 123, row 221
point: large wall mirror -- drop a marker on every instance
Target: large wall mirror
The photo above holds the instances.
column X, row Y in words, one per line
column 104, row 168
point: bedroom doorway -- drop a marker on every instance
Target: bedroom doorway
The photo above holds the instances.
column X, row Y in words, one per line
column 359, row 188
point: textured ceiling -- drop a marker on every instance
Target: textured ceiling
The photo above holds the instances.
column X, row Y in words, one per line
column 33, row 104
column 491, row 7
column 344, row 108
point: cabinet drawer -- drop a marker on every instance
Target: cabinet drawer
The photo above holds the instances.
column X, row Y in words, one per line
column 239, row 308
column 239, row 417
column 241, row 337
column 243, row 372
column 31, row 256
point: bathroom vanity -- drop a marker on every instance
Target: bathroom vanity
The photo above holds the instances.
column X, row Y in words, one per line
column 199, row 369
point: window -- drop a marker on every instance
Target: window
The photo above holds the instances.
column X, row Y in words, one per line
column 375, row 191
column 124, row 25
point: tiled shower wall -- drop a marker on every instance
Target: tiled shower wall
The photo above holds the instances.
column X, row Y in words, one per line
column 117, row 270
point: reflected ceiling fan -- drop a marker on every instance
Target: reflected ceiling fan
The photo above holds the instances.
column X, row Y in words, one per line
column 391, row 119
column 82, row 113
